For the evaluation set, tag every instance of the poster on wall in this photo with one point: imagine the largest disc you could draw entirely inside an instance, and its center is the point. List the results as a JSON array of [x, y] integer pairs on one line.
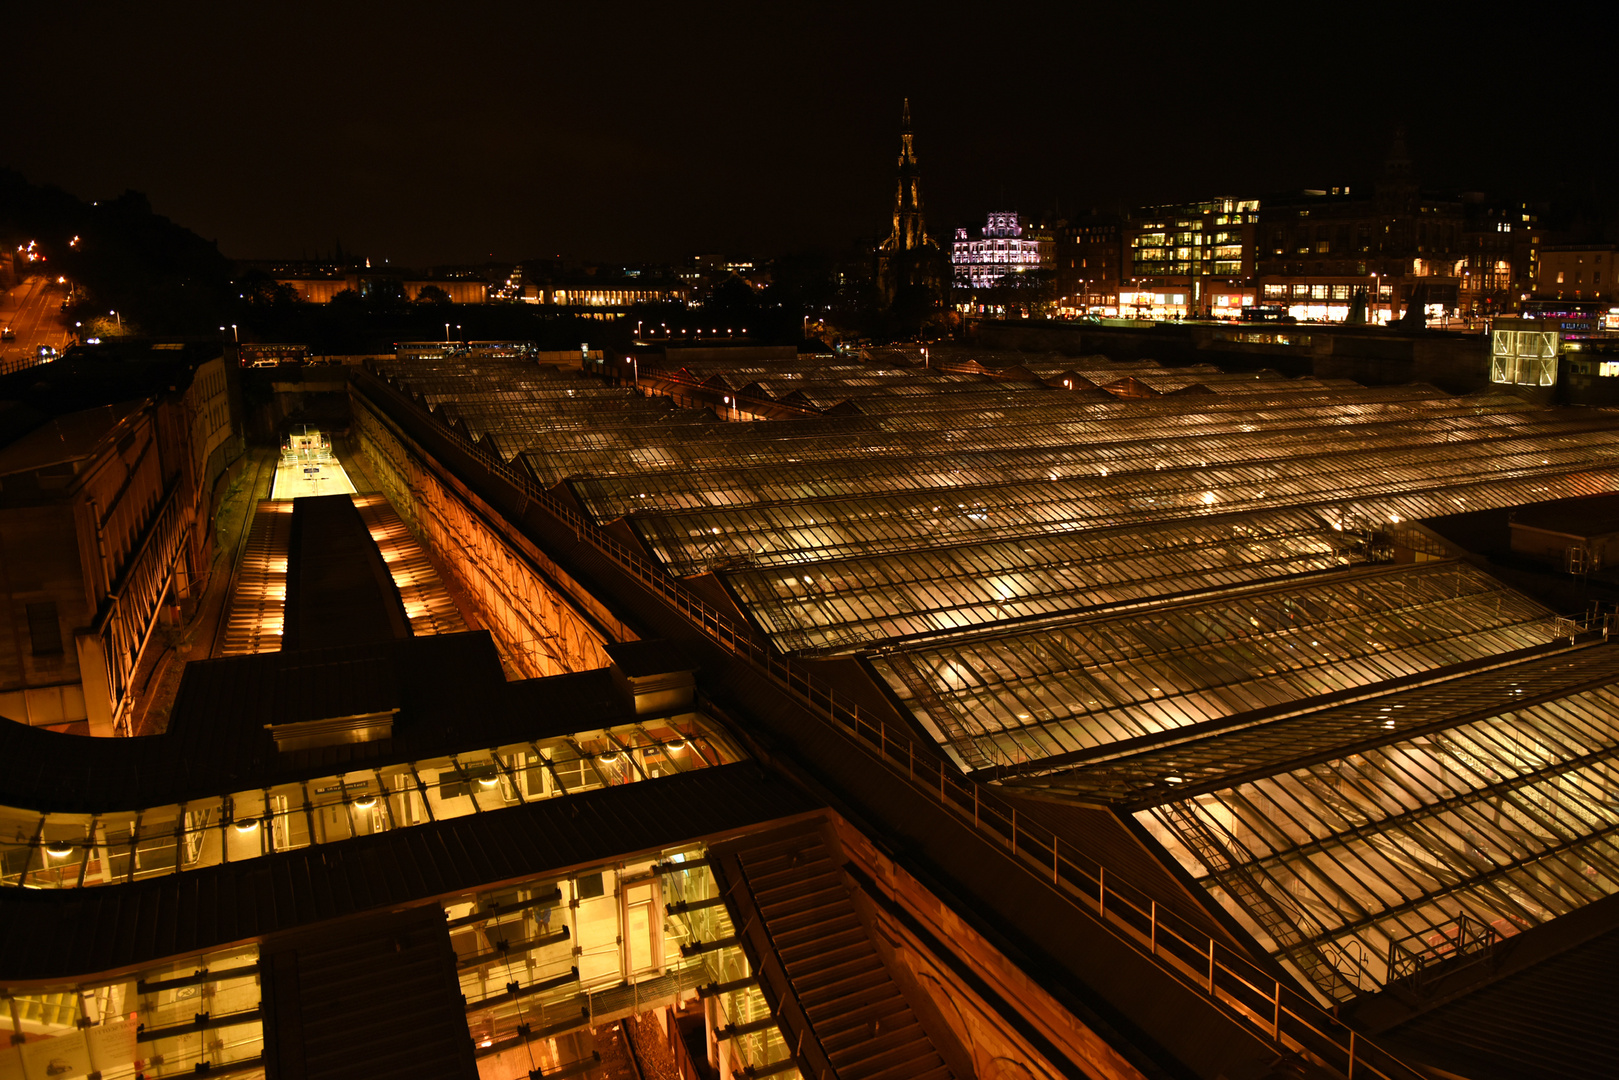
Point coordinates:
[[61, 1058], [112, 1044]]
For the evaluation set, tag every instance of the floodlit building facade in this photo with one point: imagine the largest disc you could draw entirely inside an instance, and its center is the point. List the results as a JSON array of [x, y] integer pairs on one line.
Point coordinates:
[[1005, 245], [109, 472]]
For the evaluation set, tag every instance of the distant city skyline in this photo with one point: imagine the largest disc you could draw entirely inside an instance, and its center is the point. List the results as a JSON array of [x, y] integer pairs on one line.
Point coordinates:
[[428, 139]]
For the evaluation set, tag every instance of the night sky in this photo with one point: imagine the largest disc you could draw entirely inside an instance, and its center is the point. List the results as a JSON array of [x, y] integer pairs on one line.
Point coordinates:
[[453, 132]]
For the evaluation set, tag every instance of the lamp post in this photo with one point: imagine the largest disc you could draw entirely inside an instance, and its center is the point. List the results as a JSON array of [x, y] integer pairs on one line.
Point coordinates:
[[120, 319], [446, 332], [236, 335]]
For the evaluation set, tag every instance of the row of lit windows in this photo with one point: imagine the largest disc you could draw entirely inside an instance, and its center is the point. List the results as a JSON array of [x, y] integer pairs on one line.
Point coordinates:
[[1321, 292]]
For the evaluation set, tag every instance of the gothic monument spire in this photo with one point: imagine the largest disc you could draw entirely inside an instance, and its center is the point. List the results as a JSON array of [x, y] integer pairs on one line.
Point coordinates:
[[909, 233]]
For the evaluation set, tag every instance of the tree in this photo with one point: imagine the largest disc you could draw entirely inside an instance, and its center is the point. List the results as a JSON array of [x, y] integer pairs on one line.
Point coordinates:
[[432, 294], [1031, 291], [260, 290]]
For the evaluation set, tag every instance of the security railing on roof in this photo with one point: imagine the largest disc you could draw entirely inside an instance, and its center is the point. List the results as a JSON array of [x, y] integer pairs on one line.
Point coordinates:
[[1416, 958], [1242, 990]]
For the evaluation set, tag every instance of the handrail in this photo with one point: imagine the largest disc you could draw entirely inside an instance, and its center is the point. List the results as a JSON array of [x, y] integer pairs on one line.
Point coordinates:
[[1233, 983]]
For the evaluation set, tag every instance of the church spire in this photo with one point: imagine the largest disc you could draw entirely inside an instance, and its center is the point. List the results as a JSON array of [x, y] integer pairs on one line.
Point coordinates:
[[908, 233]]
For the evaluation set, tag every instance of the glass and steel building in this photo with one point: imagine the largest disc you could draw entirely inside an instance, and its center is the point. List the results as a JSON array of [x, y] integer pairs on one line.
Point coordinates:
[[1206, 600]]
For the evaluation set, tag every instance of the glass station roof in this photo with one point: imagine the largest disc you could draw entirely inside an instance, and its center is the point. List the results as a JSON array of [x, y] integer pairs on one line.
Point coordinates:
[[1184, 604], [1011, 699], [1355, 839]]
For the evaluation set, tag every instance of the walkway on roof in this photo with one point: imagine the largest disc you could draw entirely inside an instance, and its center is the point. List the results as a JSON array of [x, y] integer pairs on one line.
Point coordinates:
[[259, 597]]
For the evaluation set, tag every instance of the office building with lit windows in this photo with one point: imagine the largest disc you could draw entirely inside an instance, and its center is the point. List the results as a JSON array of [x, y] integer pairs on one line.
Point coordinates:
[[1189, 260], [1089, 259], [1391, 246]]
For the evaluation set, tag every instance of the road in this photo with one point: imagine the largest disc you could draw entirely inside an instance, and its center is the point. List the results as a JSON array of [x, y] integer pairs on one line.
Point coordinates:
[[33, 311]]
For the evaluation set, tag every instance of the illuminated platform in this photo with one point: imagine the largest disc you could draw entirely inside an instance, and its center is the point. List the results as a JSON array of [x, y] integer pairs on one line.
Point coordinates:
[[296, 477]]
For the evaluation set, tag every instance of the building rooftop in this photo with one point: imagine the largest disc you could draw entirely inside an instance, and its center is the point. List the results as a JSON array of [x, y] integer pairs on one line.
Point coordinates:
[[91, 377], [60, 933], [1084, 598], [61, 439]]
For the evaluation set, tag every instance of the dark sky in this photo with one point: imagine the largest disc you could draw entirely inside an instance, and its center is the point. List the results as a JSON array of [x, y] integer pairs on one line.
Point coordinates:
[[454, 131]]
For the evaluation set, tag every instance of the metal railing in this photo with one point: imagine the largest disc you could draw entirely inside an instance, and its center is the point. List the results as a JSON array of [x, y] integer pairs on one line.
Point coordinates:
[[1417, 958], [1241, 989]]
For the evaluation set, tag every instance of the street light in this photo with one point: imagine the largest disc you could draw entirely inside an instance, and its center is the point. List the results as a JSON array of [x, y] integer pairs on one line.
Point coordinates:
[[236, 335], [120, 319]]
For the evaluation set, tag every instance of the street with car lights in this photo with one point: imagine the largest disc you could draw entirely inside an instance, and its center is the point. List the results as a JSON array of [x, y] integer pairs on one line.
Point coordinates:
[[31, 314]]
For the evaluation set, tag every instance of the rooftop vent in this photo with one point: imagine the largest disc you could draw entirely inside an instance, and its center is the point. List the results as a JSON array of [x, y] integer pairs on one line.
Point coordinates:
[[656, 675], [333, 730]]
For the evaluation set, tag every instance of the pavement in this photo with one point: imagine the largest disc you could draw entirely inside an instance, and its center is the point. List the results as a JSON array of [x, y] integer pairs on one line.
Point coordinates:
[[33, 311]]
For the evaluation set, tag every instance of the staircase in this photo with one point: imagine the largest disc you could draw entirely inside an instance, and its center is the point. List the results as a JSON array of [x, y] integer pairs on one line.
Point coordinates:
[[256, 603], [58, 1010], [427, 602], [789, 895]]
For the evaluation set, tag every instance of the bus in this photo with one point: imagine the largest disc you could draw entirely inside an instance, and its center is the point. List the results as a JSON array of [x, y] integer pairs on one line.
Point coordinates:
[[272, 354], [1573, 319], [514, 350], [1266, 313], [432, 350]]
